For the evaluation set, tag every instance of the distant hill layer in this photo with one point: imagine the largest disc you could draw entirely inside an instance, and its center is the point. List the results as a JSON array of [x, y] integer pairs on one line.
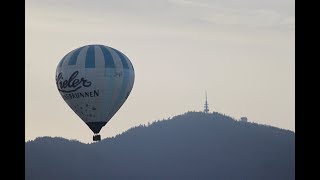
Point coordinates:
[[193, 145]]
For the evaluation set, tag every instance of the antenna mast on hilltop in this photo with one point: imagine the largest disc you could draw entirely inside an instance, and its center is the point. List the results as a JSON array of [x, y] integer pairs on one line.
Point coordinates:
[[206, 105]]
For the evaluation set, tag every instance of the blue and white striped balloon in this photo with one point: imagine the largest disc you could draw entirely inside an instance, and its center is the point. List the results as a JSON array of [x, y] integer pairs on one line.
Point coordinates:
[[95, 80]]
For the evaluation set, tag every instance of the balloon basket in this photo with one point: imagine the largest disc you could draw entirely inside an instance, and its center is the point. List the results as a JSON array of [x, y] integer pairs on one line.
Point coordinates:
[[96, 137]]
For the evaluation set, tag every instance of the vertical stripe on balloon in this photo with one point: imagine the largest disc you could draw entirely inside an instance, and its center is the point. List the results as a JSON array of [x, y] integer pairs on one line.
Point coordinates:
[[99, 60], [65, 58], [123, 59], [60, 63], [81, 60], [128, 61], [74, 57], [109, 63], [90, 59]]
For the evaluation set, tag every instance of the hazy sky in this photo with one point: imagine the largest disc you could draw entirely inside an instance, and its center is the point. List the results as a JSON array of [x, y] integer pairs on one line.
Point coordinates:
[[240, 52]]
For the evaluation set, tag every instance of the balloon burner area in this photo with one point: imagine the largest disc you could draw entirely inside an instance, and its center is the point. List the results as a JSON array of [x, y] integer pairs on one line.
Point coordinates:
[[96, 137]]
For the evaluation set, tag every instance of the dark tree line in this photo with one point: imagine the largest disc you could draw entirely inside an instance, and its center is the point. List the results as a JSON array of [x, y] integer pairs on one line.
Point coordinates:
[[193, 145]]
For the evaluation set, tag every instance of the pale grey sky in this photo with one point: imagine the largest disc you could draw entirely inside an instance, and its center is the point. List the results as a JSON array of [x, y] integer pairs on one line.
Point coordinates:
[[241, 52]]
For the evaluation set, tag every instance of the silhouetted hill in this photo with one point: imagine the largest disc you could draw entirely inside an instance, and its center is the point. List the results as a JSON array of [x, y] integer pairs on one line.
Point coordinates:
[[194, 145]]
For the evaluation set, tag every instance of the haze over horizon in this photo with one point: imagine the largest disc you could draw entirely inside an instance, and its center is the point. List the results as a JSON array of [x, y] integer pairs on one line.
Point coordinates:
[[241, 53]]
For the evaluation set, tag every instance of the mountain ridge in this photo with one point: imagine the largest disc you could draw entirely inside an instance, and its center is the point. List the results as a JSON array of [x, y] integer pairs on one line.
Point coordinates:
[[163, 120], [193, 145]]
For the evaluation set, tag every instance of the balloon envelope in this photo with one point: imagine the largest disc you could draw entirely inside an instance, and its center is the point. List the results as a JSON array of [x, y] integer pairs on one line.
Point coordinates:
[[95, 80]]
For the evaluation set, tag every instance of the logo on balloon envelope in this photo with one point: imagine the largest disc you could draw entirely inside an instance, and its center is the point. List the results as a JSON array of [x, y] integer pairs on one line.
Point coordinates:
[[72, 84]]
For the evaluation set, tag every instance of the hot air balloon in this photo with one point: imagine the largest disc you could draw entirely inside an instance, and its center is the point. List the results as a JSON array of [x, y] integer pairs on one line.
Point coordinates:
[[95, 81]]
